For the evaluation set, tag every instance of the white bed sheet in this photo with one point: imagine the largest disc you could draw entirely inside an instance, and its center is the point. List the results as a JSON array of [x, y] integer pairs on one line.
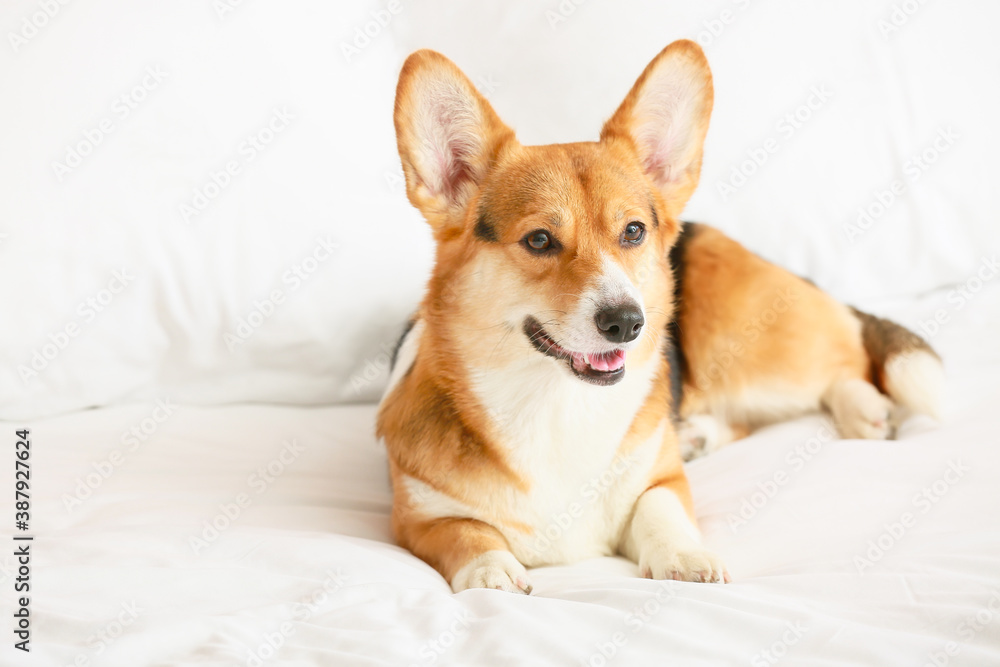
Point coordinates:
[[310, 566]]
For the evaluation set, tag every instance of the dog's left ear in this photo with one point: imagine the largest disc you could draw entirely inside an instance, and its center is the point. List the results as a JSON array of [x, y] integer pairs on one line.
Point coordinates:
[[448, 136], [665, 119]]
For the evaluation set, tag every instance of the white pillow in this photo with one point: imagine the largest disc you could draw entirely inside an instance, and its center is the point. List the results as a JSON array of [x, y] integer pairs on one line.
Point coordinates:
[[199, 252]]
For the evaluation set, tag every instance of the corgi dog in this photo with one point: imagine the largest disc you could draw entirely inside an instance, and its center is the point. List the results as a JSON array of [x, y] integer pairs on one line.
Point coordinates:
[[576, 341]]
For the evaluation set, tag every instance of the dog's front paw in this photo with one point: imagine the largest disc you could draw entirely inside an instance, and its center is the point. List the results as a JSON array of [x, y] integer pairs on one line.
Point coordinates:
[[493, 569], [689, 562]]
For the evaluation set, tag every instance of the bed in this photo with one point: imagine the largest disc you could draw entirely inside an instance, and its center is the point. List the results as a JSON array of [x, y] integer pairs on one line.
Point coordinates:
[[246, 530]]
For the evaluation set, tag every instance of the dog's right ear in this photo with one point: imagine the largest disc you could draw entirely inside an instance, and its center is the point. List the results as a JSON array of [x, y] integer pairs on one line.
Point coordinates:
[[448, 136], [665, 119]]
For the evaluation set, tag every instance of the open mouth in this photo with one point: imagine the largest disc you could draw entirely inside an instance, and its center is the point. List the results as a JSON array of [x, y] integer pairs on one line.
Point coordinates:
[[604, 368]]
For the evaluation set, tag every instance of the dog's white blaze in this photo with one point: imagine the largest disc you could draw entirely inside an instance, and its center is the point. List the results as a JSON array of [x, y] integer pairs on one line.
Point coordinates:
[[615, 286], [611, 287]]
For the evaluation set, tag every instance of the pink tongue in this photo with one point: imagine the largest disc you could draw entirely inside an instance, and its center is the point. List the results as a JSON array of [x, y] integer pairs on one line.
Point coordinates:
[[606, 361]]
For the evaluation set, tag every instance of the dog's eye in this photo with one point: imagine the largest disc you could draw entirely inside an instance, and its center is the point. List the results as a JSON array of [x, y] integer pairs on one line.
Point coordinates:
[[634, 232], [539, 241]]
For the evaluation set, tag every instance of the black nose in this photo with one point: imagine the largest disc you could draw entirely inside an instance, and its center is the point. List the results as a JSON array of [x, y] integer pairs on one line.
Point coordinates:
[[620, 324]]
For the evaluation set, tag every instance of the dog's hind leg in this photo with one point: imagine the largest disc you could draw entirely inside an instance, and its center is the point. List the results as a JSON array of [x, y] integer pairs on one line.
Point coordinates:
[[703, 434], [859, 409]]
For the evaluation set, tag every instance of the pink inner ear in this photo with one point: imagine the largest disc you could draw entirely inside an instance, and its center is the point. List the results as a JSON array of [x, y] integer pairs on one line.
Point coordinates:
[[656, 157], [665, 122], [655, 165], [453, 170], [442, 167], [453, 141]]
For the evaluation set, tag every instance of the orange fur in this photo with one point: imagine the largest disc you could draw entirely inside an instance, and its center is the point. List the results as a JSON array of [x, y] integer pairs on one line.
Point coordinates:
[[747, 325]]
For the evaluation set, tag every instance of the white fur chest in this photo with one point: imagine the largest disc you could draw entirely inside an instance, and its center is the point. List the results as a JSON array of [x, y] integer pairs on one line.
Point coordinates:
[[563, 436]]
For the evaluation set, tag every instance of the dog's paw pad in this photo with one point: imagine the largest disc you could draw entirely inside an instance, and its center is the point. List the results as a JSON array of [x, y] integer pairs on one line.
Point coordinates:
[[494, 569]]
